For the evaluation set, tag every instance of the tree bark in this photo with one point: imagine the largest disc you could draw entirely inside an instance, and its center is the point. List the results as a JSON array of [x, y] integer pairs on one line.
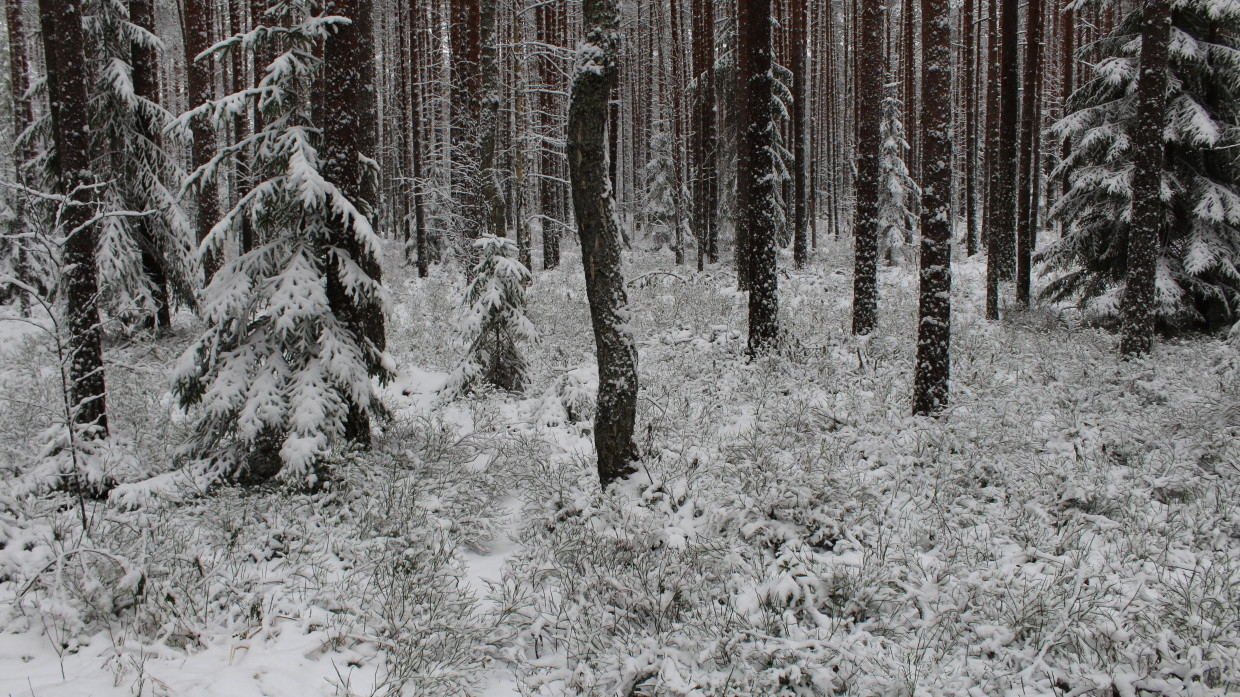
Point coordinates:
[[492, 217], [199, 81], [465, 42], [869, 82], [800, 247], [1001, 238], [64, 45], [704, 135], [932, 370], [600, 243], [1137, 305], [350, 138], [755, 186], [146, 85], [1027, 198]]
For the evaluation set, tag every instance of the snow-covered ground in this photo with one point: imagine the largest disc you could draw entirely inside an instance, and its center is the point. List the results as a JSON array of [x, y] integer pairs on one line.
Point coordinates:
[[1071, 527]]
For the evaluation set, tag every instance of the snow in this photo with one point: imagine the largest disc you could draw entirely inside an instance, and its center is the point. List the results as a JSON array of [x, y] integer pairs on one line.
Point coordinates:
[[791, 530]]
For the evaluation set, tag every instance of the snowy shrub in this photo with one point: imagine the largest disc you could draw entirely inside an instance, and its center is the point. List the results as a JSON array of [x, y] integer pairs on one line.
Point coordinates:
[[493, 327]]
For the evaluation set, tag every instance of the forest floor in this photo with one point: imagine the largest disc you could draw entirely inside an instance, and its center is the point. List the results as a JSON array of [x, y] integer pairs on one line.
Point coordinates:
[[1071, 526]]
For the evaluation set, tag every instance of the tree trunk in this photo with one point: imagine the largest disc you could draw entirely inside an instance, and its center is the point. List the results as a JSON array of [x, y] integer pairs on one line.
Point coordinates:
[[64, 44], [350, 140], [1030, 122], [600, 243], [1001, 238], [1148, 153], [489, 126], [704, 136], [933, 366], [196, 16], [869, 83], [756, 200], [146, 85], [800, 248], [466, 45]]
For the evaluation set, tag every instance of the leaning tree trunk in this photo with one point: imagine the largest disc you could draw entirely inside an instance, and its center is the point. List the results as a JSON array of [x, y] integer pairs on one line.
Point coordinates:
[[755, 187], [1148, 153], [64, 44], [869, 82], [933, 366], [196, 16], [350, 141], [594, 207]]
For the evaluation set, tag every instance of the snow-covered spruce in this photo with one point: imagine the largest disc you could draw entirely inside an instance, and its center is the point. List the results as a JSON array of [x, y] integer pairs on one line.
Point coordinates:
[[659, 201], [277, 368], [1197, 277], [147, 257], [492, 326], [897, 192]]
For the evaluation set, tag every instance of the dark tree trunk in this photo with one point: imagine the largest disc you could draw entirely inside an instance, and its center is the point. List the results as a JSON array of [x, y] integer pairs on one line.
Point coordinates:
[[1030, 121], [933, 367], [416, 135], [1148, 152], [465, 41], [755, 187], [800, 223], [350, 136], [869, 85], [704, 136], [972, 59], [1001, 237], [146, 85], [196, 15], [600, 245], [64, 44], [23, 116], [492, 217]]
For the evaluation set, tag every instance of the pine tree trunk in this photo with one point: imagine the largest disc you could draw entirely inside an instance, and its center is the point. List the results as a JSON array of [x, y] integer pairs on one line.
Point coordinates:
[[23, 116], [1029, 123], [196, 15], [417, 135], [349, 137], [756, 198], [972, 59], [869, 84], [704, 136], [600, 244], [1148, 153], [493, 215], [933, 366], [466, 45], [146, 85], [64, 44], [1001, 238], [800, 248]]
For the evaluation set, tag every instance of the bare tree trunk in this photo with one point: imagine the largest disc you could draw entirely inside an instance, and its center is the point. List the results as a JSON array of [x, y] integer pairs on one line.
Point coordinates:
[[869, 98], [489, 124], [1001, 238], [756, 172], [1027, 191], [800, 249], [704, 135], [64, 45], [199, 81], [1137, 305], [933, 366], [600, 244], [466, 45], [350, 139]]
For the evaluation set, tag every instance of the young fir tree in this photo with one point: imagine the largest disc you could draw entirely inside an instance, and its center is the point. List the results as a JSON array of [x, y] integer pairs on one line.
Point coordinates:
[[276, 367], [494, 326], [1197, 280], [660, 191], [147, 253], [898, 193]]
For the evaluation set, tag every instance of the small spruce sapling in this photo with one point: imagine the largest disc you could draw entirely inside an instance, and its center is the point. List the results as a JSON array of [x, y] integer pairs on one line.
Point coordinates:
[[898, 193], [493, 325]]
